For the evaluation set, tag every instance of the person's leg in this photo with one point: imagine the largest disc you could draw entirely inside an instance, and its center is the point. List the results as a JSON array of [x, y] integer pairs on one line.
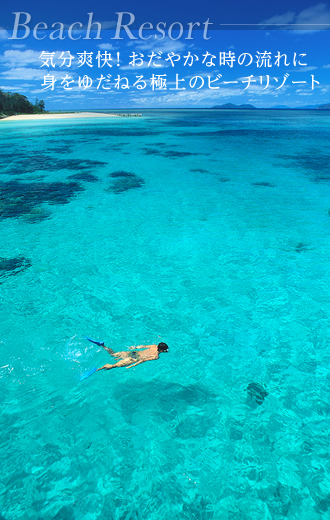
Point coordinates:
[[108, 349], [121, 363]]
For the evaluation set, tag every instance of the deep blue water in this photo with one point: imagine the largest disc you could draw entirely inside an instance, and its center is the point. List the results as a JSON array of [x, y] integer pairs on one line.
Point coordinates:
[[213, 237]]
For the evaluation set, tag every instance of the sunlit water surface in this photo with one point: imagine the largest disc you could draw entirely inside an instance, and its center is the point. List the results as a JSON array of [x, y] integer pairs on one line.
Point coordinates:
[[213, 237]]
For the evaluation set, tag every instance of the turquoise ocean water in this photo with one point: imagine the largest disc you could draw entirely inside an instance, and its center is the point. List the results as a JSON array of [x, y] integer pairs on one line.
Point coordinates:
[[209, 230]]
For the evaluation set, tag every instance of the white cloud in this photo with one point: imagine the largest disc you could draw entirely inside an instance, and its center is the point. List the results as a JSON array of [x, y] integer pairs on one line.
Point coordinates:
[[318, 14], [315, 18], [166, 45], [326, 66], [28, 73], [304, 69], [280, 19], [16, 88], [18, 58], [108, 25], [17, 45], [3, 34], [106, 46], [260, 90], [57, 97], [22, 73], [61, 96]]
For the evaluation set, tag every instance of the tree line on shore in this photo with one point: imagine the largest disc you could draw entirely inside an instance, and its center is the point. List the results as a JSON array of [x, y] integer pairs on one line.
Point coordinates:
[[13, 103]]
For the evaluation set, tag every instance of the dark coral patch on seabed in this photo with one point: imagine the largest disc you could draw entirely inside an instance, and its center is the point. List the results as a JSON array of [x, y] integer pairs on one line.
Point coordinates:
[[173, 154], [84, 176], [20, 199], [266, 184], [301, 247], [60, 149], [151, 151], [313, 162], [121, 173], [13, 266], [48, 163], [124, 181], [170, 154], [256, 393], [22, 163]]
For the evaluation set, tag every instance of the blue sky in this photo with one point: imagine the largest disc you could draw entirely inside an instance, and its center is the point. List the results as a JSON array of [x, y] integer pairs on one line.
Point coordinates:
[[300, 33]]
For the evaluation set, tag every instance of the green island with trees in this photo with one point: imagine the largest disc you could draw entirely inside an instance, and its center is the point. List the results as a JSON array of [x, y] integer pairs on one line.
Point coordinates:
[[12, 103]]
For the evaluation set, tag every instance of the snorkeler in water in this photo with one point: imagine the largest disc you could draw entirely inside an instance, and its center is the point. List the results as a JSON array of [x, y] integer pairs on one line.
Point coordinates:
[[130, 358]]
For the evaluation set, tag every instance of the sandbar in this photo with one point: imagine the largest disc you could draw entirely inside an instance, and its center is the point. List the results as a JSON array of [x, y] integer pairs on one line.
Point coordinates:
[[38, 117]]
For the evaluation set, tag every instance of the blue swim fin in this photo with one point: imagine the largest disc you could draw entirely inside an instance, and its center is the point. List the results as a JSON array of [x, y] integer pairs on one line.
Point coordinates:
[[99, 343], [85, 375]]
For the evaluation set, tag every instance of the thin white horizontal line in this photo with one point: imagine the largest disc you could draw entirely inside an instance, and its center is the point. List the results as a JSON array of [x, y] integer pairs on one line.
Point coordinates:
[[263, 24]]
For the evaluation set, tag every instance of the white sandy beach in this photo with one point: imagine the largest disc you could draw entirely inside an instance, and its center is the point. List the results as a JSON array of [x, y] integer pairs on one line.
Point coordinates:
[[73, 115]]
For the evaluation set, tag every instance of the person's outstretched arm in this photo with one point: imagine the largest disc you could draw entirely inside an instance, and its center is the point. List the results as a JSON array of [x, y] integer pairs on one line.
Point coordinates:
[[142, 346]]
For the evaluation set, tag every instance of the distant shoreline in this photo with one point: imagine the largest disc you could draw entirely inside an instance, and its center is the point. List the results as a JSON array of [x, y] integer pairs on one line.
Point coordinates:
[[40, 117]]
